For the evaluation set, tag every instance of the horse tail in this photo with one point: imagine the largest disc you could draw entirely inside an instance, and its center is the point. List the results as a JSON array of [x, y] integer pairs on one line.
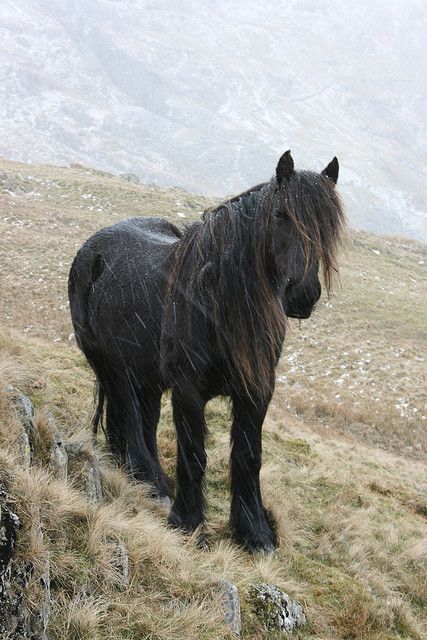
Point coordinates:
[[105, 396], [99, 411], [84, 272], [87, 268]]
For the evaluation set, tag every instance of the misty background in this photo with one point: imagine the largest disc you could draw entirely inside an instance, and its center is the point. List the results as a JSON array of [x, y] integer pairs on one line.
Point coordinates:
[[207, 94]]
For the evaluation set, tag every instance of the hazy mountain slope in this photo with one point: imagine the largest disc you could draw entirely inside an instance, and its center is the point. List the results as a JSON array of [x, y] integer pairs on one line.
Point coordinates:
[[206, 95]]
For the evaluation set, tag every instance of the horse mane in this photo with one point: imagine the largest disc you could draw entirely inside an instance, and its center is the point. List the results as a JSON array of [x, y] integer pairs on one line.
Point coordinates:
[[319, 218], [224, 273], [235, 198]]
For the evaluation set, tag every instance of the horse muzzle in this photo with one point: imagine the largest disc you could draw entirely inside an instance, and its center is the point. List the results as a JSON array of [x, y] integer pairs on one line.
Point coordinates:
[[299, 301], [300, 314]]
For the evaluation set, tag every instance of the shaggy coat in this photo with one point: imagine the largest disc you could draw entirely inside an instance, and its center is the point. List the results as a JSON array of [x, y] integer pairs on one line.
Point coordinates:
[[203, 312]]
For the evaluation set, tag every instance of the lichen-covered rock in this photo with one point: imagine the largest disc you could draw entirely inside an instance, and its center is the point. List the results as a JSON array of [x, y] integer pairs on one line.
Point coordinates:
[[58, 462], [23, 408], [21, 617], [275, 608], [121, 563], [25, 413], [94, 488], [9, 527], [25, 449], [74, 449], [58, 457], [25, 610], [85, 466], [231, 603]]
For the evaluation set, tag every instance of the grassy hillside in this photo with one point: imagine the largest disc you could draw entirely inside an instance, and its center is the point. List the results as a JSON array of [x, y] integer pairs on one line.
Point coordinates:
[[344, 444]]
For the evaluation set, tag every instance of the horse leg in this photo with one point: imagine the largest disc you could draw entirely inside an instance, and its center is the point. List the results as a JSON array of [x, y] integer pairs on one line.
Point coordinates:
[[125, 425], [149, 402], [188, 411], [248, 518], [107, 388], [116, 439]]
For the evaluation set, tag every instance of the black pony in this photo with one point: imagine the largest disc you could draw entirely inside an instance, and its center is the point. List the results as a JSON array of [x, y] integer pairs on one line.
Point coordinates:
[[202, 312]]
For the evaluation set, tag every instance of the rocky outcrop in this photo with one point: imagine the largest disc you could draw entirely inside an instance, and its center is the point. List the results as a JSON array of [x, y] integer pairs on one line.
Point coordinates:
[[24, 615], [21, 617], [121, 563], [25, 413], [9, 527], [58, 457], [85, 468], [231, 605], [275, 608]]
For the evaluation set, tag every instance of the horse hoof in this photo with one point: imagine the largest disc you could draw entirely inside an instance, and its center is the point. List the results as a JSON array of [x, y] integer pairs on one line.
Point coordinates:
[[187, 526], [262, 543], [263, 550]]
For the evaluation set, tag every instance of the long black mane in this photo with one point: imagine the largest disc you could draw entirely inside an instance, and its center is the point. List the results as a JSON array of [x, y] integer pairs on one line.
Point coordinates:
[[224, 271]]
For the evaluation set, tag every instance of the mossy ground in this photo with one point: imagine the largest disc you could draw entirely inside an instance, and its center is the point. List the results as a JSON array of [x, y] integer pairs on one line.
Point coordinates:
[[344, 441]]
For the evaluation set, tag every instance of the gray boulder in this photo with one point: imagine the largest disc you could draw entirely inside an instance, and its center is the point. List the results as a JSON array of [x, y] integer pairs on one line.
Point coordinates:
[[25, 413], [231, 604], [275, 608]]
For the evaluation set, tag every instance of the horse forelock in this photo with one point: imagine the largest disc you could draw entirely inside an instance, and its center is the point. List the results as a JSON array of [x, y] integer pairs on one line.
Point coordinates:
[[314, 206]]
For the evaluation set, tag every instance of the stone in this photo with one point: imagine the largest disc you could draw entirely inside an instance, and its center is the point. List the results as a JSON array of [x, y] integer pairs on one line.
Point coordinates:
[[25, 449], [23, 407], [58, 461], [87, 462], [74, 448], [121, 562], [231, 603], [94, 490], [25, 413], [276, 609], [21, 617], [9, 527]]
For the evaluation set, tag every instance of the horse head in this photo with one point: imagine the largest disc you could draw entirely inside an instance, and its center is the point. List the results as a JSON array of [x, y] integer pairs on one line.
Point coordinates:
[[305, 210]]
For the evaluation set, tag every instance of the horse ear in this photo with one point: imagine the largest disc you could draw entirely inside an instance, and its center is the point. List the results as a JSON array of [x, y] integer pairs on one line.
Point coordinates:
[[285, 167], [331, 170]]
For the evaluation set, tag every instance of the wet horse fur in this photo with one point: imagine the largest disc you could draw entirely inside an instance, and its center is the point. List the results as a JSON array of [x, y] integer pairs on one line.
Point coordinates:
[[202, 311]]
